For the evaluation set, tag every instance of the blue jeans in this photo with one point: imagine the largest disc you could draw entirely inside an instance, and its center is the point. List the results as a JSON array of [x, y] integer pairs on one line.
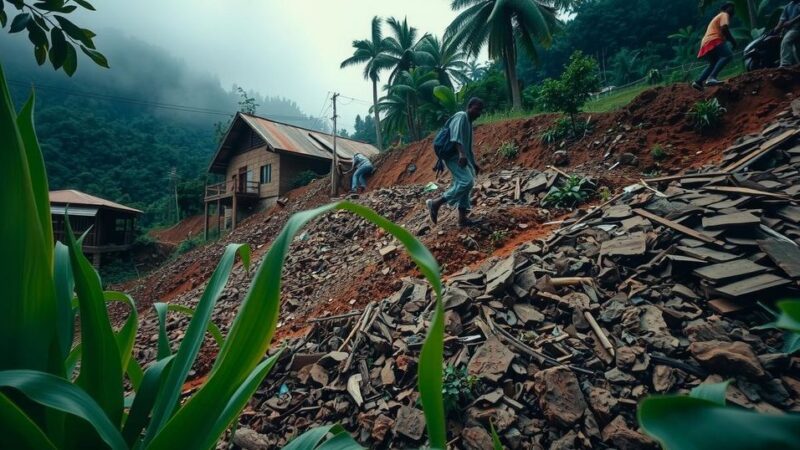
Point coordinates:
[[360, 176], [460, 189], [717, 59]]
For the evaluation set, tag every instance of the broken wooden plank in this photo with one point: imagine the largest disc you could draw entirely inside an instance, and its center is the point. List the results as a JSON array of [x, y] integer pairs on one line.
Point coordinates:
[[784, 254], [629, 245], [751, 286], [708, 254], [678, 227], [790, 213], [685, 176], [730, 270], [762, 150], [724, 306], [730, 220], [745, 191]]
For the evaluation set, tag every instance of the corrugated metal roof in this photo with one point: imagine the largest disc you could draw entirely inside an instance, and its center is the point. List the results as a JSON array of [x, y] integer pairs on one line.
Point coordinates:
[[73, 197], [289, 138], [74, 211]]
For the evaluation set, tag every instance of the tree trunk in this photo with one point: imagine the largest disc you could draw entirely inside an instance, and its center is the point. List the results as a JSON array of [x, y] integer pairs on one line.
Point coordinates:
[[378, 135], [511, 76]]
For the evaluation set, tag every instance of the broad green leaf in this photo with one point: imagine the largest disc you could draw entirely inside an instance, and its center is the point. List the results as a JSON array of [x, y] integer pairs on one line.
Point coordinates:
[[126, 336], [19, 23], [135, 374], [96, 56], [713, 392], [691, 423], [163, 341], [27, 267], [496, 444], [73, 31], [57, 393], [312, 438], [254, 326], [341, 441], [85, 4], [101, 366], [40, 53], [19, 431], [152, 381], [3, 18], [212, 329], [58, 50], [239, 399], [71, 61], [791, 342], [789, 319], [190, 346], [65, 288]]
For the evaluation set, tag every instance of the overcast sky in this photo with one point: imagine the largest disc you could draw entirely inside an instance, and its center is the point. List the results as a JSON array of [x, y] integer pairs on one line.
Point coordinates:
[[290, 48]]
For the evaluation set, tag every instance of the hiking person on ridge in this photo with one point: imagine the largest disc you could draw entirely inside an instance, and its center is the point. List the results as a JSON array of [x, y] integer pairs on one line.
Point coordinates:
[[714, 47], [456, 154], [790, 25], [362, 167]]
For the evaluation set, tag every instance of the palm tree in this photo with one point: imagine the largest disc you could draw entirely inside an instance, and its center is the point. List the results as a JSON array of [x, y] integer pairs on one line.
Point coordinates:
[[410, 90], [444, 58], [500, 24], [475, 71], [401, 50], [371, 53]]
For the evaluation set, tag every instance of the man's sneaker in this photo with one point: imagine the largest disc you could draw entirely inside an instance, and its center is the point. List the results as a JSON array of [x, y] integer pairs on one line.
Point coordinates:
[[697, 86], [713, 82]]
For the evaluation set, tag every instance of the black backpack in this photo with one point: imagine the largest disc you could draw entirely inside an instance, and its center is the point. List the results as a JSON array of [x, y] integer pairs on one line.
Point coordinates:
[[443, 147]]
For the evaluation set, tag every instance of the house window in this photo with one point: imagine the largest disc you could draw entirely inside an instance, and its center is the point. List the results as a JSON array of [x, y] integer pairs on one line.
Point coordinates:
[[266, 174]]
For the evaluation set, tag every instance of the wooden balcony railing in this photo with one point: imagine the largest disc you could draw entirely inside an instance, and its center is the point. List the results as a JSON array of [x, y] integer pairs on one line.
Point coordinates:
[[232, 187]]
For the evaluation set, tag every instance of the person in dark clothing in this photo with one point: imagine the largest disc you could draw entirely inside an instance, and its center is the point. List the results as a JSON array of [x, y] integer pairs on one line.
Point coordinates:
[[790, 26], [715, 48]]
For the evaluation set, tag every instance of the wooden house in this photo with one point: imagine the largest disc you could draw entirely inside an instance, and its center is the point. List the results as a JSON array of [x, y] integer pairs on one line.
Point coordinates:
[[259, 160], [111, 225]]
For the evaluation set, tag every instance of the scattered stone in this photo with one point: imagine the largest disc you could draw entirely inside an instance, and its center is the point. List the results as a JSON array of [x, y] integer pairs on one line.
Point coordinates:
[[618, 434], [560, 396], [727, 358], [410, 422], [491, 361]]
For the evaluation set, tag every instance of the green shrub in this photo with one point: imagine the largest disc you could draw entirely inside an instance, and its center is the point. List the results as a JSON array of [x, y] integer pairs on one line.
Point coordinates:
[[564, 129], [572, 192], [43, 404], [508, 150], [498, 237], [458, 388], [707, 114], [570, 92], [189, 244], [658, 153], [304, 178]]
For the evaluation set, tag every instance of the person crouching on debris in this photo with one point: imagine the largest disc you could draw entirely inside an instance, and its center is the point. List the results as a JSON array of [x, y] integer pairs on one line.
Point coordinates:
[[789, 24], [453, 146], [362, 167], [714, 48]]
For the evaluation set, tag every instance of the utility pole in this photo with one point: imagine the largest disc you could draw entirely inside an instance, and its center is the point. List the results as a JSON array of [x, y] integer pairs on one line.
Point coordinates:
[[173, 177], [335, 161]]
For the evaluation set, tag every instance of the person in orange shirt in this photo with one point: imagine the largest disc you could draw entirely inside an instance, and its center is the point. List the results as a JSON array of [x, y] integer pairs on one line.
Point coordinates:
[[714, 47]]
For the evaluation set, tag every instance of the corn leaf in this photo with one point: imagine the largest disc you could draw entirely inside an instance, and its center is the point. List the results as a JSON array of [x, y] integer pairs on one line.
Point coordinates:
[[163, 341], [190, 346], [689, 423], [712, 392], [126, 336], [145, 399], [239, 399], [58, 393], [342, 441], [212, 329], [312, 438], [789, 319], [254, 326], [65, 288], [28, 289], [19, 431], [496, 444], [135, 373], [101, 366]]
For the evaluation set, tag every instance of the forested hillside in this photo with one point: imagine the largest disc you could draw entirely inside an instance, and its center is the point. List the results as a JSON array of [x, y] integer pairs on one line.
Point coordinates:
[[119, 133]]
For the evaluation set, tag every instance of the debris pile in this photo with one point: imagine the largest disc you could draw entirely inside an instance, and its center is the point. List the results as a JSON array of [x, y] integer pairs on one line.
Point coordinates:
[[655, 291]]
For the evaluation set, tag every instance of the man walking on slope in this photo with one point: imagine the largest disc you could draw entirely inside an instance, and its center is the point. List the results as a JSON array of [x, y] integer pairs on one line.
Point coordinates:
[[790, 24], [460, 163], [714, 47]]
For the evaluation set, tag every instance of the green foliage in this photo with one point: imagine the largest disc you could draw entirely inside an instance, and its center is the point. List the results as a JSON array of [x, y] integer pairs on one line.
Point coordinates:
[[654, 76], [787, 320], [570, 92], [304, 178], [604, 193], [491, 88], [189, 244], [498, 237], [658, 153], [572, 192], [679, 422], [42, 405], [246, 104], [563, 128], [364, 129], [52, 34], [447, 102], [508, 150], [458, 388], [707, 114]]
